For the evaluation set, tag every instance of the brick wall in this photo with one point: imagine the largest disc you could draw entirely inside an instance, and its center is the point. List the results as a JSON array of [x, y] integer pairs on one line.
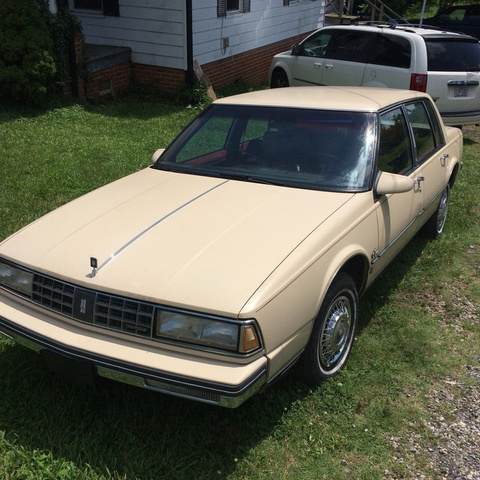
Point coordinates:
[[252, 67], [159, 78], [115, 79]]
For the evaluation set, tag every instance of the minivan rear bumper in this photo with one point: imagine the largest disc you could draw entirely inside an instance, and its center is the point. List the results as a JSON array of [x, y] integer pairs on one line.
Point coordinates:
[[461, 118]]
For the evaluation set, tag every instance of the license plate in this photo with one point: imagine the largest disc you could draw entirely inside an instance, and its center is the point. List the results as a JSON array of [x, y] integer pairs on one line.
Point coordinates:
[[460, 92]]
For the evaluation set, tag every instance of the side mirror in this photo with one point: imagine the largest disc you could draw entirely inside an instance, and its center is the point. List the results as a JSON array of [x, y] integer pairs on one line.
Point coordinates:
[[392, 183], [296, 50], [157, 154]]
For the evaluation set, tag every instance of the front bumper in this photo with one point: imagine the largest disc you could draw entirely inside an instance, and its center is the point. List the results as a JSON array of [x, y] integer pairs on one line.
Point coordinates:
[[137, 365]]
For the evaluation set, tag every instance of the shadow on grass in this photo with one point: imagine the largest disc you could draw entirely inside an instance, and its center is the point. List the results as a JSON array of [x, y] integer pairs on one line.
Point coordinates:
[[136, 433], [141, 434], [129, 106], [379, 293]]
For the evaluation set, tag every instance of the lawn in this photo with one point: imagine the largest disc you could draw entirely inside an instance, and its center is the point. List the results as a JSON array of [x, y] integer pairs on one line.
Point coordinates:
[[419, 327]]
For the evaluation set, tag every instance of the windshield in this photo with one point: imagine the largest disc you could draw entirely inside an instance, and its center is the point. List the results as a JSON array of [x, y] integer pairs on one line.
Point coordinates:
[[303, 148], [453, 55]]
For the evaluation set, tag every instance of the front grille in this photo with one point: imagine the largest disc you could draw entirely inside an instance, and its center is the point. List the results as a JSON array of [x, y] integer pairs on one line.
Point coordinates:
[[100, 309], [123, 314], [53, 294]]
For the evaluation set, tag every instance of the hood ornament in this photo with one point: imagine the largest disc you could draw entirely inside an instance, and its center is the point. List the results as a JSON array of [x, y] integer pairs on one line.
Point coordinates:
[[94, 265]]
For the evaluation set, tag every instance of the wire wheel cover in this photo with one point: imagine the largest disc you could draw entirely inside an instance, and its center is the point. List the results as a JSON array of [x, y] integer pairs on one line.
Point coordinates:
[[336, 332]]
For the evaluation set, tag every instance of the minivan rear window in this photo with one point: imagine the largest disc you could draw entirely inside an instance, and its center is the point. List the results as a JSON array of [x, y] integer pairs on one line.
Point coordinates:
[[452, 55]]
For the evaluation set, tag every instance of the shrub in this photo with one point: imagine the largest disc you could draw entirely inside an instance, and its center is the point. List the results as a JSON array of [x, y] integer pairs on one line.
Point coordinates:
[[27, 67]]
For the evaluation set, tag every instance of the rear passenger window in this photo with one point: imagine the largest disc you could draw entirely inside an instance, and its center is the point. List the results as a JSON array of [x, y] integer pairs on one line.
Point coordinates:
[[422, 130], [437, 130], [395, 150], [391, 51], [351, 46]]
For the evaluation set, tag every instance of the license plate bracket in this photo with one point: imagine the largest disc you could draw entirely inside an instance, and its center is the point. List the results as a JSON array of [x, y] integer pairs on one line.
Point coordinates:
[[460, 91], [76, 372]]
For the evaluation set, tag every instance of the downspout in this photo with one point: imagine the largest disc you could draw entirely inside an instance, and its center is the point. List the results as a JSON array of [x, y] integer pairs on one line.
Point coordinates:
[[189, 20], [62, 8]]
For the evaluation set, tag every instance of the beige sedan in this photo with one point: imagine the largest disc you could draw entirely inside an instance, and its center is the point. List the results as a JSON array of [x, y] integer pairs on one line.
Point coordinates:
[[242, 251]]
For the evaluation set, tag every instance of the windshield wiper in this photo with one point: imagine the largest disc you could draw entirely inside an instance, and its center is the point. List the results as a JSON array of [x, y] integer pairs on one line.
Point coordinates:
[[215, 173], [250, 178]]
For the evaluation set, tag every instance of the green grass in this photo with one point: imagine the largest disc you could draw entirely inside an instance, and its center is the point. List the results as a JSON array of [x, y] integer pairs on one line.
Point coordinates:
[[414, 332]]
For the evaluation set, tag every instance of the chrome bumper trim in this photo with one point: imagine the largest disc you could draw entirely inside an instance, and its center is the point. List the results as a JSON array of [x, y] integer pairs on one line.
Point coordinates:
[[207, 392]]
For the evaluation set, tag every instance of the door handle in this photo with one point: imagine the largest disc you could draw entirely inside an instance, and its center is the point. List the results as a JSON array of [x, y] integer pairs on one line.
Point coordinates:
[[317, 65], [418, 182], [329, 66]]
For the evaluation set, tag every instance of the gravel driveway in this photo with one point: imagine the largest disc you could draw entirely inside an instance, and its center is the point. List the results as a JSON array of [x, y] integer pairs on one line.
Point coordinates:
[[452, 444]]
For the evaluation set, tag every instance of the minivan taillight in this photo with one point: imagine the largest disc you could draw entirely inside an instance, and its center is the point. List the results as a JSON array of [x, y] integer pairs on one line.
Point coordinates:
[[418, 82]]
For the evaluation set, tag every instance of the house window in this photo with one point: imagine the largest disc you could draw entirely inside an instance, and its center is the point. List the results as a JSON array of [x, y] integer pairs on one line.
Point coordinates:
[[286, 3], [88, 5], [232, 6], [105, 7]]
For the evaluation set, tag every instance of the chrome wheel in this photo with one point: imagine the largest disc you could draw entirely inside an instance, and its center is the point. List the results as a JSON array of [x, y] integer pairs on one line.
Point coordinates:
[[436, 223], [336, 333], [333, 331], [442, 211]]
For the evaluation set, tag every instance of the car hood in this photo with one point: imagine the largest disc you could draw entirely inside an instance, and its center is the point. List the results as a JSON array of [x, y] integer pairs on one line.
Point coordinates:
[[183, 240]]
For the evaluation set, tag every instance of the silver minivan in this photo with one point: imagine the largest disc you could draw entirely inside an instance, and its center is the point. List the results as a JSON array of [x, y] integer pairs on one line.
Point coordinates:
[[446, 65]]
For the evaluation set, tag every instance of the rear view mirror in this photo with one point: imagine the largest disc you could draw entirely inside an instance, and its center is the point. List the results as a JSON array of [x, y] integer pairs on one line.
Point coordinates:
[[157, 154], [296, 50]]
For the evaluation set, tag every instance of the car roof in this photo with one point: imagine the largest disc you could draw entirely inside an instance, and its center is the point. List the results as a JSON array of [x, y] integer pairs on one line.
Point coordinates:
[[362, 99], [409, 28]]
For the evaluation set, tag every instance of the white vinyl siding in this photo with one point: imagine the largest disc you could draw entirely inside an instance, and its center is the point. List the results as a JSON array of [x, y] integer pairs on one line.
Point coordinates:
[[156, 31]]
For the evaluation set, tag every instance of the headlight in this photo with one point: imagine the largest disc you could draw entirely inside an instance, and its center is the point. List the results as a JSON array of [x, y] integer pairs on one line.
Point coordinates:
[[232, 336], [16, 279]]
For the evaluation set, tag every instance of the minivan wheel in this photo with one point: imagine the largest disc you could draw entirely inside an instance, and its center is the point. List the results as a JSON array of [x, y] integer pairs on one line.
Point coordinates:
[[332, 336], [279, 79]]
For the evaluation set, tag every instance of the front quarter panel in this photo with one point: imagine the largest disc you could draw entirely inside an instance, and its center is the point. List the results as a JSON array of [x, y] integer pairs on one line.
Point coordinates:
[[289, 300], [282, 61]]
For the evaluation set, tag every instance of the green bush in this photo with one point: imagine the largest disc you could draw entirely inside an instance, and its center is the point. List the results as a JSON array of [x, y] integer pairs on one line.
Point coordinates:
[[27, 67]]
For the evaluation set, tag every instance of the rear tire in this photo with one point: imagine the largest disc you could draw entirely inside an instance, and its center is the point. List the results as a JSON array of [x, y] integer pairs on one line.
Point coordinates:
[[333, 332], [436, 223], [279, 79]]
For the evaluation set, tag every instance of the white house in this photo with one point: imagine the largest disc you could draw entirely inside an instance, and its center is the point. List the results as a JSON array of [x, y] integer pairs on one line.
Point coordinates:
[[230, 39]]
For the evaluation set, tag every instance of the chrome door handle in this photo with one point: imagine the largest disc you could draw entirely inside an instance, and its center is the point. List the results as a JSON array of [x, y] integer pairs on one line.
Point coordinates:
[[328, 65], [418, 182]]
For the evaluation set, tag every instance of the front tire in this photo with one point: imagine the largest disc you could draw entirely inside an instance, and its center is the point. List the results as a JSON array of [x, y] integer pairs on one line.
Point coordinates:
[[333, 332], [279, 79]]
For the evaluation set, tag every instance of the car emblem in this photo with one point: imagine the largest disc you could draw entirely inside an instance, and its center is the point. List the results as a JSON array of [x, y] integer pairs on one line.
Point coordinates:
[[94, 265], [83, 305]]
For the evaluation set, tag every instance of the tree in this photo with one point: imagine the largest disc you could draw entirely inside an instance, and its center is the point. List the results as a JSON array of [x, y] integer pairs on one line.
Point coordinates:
[[27, 67]]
